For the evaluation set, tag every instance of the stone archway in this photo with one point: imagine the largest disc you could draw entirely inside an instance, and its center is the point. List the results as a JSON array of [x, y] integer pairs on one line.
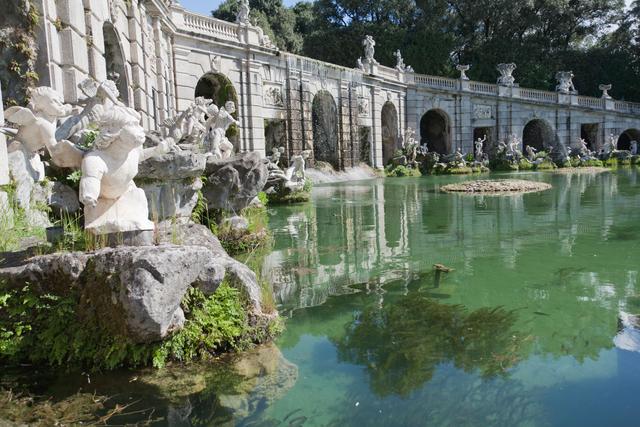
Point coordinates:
[[625, 138], [435, 131], [389, 118], [325, 129], [114, 60], [538, 134], [218, 87]]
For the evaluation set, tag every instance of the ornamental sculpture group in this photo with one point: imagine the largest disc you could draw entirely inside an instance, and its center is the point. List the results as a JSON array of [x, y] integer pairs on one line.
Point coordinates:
[[103, 139]]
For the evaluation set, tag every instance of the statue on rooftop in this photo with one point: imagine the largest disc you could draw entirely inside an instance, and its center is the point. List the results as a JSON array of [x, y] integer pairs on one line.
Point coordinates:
[[506, 74], [369, 50], [565, 82], [242, 17]]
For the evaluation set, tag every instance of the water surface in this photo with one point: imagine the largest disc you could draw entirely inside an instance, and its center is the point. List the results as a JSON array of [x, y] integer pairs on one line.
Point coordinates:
[[535, 326]]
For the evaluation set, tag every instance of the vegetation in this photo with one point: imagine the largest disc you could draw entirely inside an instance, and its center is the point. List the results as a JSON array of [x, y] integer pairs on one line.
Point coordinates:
[[47, 329], [401, 171], [285, 196], [541, 37]]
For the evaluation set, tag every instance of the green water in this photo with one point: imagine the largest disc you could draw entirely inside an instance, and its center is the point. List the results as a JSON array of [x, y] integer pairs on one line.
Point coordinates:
[[527, 330]]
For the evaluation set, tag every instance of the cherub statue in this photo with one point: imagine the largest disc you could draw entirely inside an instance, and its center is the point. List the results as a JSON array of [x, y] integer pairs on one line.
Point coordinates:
[[297, 171], [113, 203], [36, 129], [218, 129], [479, 145]]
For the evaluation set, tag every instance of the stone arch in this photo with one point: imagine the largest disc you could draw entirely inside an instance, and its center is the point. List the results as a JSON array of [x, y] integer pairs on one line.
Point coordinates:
[[389, 117], [435, 131], [220, 89], [625, 138], [539, 134], [324, 114], [115, 60]]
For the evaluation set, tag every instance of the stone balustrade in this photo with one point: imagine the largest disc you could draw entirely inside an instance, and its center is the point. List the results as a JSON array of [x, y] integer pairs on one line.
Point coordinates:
[[211, 27]]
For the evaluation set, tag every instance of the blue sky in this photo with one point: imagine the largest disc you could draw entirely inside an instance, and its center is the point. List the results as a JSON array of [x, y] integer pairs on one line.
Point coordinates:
[[206, 6]]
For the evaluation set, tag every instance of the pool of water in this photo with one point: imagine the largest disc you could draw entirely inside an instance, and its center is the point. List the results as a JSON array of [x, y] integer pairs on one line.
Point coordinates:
[[534, 326]]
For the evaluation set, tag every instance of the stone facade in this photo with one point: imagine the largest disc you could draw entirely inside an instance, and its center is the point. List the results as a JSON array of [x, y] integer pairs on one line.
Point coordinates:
[[162, 55]]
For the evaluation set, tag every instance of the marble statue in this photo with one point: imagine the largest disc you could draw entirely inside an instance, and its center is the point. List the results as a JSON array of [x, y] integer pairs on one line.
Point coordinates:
[[463, 71], [611, 146], [531, 153], [293, 179], [506, 74], [216, 142], [605, 90], [242, 17], [565, 82], [410, 145], [502, 147], [634, 148], [274, 159], [100, 97], [369, 50], [479, 145], [513, 148], [36, 129], [189, 126], [113, 203], [458, 158], [583, 148], [359, 64]]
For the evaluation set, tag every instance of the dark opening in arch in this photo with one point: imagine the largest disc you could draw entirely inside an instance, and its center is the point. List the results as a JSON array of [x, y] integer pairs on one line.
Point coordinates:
[[435, 131], [325, 129], [389, 118], [625, 138], [114, 61], [589, 132], [218, 87], [538, 134]]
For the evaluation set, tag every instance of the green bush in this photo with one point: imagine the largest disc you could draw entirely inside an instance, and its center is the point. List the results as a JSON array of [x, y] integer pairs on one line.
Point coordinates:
[[401, 171], [47, 329]]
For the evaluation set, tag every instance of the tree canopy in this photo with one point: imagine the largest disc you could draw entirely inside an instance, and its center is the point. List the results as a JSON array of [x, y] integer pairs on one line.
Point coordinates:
[[596, 39]]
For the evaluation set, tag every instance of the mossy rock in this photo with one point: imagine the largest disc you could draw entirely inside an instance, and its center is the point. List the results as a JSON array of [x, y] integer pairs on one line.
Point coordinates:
[[290, 198], [592, 163], [503, 165], [611, 162], [545, 165], [466, 170], [401, 172]]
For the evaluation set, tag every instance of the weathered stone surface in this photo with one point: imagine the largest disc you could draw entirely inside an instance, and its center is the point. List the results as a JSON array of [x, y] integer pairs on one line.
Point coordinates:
[[497, 186], [233, 184], [236, 223], [137, 291], [63, 199], [173, 165]]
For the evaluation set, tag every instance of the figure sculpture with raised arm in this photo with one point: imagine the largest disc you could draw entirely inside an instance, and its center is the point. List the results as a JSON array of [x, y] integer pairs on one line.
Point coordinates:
[[531, 153], [479, 145], [216, 132], [113, 203]]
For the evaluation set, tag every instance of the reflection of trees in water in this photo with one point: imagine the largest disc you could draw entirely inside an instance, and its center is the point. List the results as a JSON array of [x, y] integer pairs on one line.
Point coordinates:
[[402, 343]]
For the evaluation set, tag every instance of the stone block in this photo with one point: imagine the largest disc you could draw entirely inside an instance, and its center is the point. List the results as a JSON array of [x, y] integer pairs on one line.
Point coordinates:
[[74, 50], [71, 12]]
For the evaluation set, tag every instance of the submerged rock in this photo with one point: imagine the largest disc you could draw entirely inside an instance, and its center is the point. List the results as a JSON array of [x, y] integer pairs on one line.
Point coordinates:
[[497, 186]]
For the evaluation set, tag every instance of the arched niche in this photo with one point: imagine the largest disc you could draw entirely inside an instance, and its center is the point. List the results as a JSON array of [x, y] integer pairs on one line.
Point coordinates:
[[538, 134], [115, 61], [389, 117], [220, 90], [625, 138], [435, 131], [325, 129]]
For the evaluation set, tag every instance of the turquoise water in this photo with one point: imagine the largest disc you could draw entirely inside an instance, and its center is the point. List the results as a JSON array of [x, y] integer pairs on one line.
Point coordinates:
[[534, 326]]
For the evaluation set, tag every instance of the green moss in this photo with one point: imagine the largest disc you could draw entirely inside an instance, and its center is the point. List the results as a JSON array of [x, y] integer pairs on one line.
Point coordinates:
[[503, 165], [545, 165], [611, 162], [47, 329], [241, 241], [525, 165], [401, 171]]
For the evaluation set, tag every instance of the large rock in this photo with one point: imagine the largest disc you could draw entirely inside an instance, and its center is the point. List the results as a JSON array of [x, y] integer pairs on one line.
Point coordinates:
[[63, 199], [233, 184], [137, 291], [171, 183]]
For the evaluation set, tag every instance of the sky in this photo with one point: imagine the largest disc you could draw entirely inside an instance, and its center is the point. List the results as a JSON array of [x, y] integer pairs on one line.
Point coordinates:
[[206, 6]]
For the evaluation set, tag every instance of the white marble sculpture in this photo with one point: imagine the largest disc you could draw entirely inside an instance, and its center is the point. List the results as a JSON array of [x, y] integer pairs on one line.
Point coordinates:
[[216, 142], [514, 145], [479, 146], [605, 90], [400, 65], [100, 97], [611, 145], [293, 179], [506, 74], [410, 145], [463, 71], [634, 148], [369, 50], [36, 129], [531, 153], [113, 203], [565, 82], [189, 126], [242, 17]]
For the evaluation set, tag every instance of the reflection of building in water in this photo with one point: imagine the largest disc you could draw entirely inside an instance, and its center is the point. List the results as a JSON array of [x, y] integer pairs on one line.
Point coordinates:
[[373, 232]]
